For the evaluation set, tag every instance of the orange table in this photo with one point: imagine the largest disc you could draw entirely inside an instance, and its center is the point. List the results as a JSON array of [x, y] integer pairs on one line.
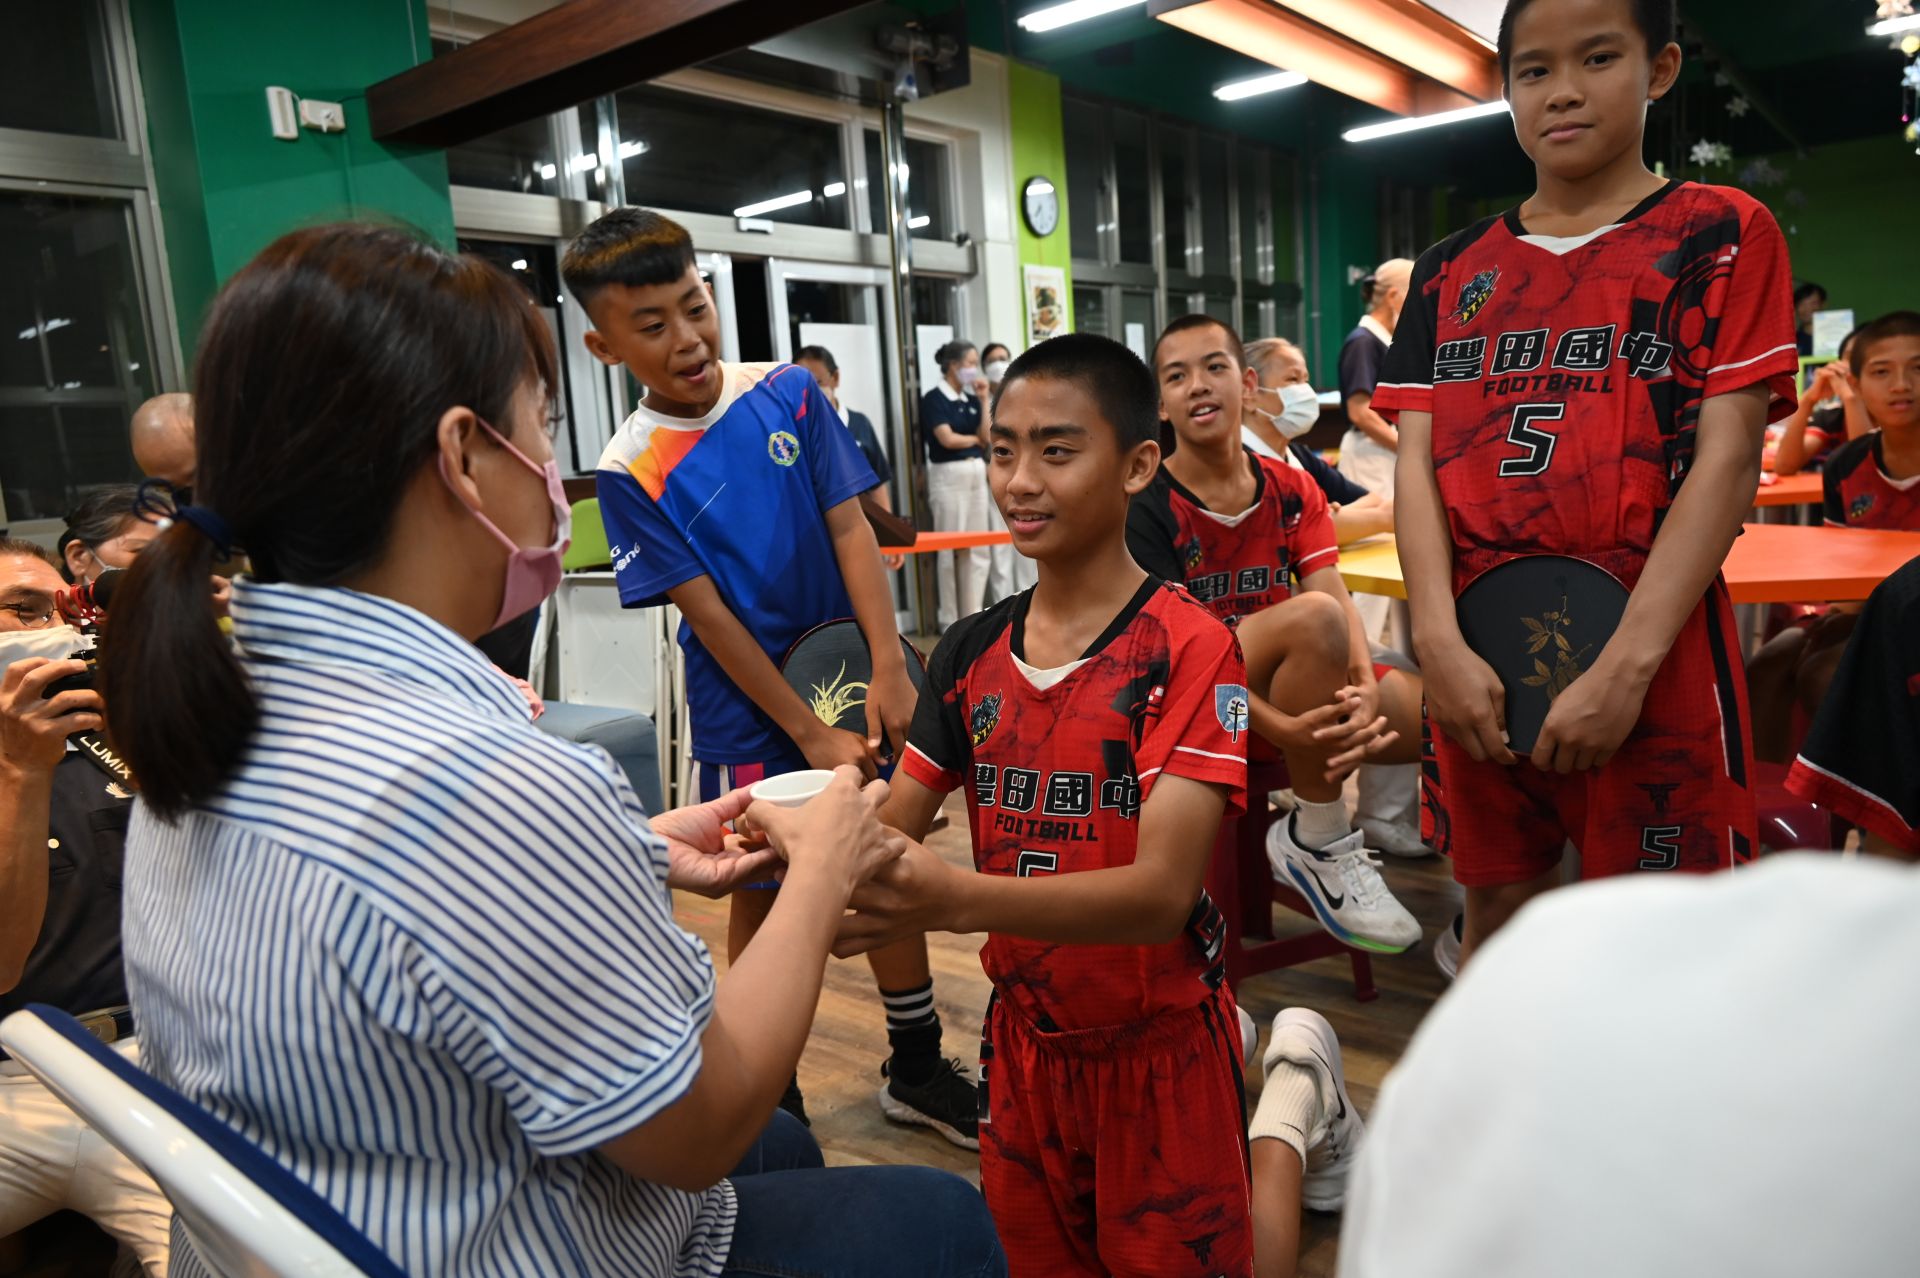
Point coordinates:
[[1769, 563], [931, 542], [1803, 489]]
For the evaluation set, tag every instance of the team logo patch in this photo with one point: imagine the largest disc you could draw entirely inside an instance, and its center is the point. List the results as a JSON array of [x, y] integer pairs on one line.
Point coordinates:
[[1860, 506], [1193, 554], [783, 448], [985, 718], [1230, 707], [1475, 295]]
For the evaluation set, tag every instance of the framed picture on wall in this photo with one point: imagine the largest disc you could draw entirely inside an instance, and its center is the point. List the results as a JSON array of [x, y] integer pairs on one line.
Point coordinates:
[[1046, 303]]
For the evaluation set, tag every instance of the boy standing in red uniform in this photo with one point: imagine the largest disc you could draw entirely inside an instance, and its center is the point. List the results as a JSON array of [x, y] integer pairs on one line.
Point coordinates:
[[1559, 371], [1099, 724]]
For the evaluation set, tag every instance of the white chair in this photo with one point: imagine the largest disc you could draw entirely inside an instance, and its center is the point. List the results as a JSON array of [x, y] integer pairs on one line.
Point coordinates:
[[248, 1216]]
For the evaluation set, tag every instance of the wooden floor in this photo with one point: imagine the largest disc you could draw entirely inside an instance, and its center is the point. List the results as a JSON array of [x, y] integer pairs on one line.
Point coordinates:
[[840, 1072]]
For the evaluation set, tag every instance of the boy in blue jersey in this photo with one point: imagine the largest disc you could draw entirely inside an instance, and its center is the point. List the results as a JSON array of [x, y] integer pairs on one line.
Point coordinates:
[[732, 492]]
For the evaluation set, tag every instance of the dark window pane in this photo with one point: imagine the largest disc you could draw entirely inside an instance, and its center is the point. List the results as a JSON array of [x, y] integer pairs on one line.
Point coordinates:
[[55, 75], [1176, 191], [520, 157], [1215, 243], [1090, 311], [933, 300], [704, 155], [928, 215], [1087, 201], [74, 355], [1256, 222], [1133, 181]]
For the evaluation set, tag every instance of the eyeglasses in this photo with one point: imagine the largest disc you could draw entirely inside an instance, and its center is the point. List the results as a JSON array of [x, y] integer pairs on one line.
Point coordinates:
[[32, 616]]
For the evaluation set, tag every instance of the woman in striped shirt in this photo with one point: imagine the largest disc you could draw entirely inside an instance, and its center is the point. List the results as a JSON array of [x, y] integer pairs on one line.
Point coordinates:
[[419, 952]]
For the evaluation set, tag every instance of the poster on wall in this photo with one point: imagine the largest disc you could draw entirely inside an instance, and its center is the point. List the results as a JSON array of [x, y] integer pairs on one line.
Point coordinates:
[[1046, 303]]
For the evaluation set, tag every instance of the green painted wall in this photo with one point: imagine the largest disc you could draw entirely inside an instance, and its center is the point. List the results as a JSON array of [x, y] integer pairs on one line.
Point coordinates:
[[1039, 148], [226, 186], [1852, 228]]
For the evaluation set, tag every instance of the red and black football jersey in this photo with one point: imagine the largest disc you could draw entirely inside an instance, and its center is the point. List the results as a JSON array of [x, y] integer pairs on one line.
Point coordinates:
[[1860, 493], [1565, 375], [1861, 758], [1056, 779], [1235, 564]]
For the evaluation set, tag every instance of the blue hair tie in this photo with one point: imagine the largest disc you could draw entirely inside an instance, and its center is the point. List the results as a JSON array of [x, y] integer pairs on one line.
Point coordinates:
[[211, 526], [155, 501]]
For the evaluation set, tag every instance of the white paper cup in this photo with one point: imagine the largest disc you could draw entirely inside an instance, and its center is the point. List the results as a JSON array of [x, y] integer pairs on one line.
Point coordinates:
[[791, 789]]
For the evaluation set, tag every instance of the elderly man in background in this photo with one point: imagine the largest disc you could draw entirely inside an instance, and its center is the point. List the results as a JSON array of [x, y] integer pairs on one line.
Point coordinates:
[[163, 439]]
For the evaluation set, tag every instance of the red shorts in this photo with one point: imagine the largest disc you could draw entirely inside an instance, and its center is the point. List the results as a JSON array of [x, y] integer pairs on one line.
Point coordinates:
[[1677, 796], [1120, 1150]]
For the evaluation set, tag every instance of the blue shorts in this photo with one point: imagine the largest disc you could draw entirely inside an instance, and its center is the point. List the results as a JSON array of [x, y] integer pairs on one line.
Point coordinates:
[[716, 780]]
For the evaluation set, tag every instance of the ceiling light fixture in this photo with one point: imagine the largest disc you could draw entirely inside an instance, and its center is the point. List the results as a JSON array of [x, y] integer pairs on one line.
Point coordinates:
[[519, 263], [834, 189], [777, 202], [1367, 133], [1055, 16], [547, 172], [915, 223], [630, 149], [1894, 26], [1272, 82]]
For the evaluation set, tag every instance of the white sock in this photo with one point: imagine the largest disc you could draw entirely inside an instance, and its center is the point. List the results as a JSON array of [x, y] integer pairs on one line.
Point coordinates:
[[1316, 825], [1289, 1108]]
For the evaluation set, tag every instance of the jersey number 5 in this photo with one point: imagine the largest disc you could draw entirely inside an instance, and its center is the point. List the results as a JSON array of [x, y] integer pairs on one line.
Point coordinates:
[[1538, 443]]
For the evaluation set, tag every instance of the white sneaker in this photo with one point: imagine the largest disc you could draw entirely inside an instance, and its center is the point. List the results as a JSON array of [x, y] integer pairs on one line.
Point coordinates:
[[1446, 947], [1249, 1039], [1344, 887], [1394, 838], [1304, 1038]]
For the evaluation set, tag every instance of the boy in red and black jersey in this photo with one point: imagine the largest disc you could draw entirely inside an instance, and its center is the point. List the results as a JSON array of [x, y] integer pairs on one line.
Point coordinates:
[[1255, 540], [1874, 481], [1098, 723], [1558, 372]]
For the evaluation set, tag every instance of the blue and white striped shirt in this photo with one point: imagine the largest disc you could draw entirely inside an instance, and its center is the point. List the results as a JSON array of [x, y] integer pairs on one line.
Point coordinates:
[[424, 955]]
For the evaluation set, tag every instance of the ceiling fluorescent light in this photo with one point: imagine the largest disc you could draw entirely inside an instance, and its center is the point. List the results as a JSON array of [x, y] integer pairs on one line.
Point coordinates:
[[630, 149], [1368, 133], [1272, 82], [582, 162], [1894, 26], [915, 223], [547, 171], [1055, 16], [833, 189], [777, 202]]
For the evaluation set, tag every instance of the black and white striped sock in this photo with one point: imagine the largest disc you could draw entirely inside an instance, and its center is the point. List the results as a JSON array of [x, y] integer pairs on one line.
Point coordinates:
[[913, 1031]]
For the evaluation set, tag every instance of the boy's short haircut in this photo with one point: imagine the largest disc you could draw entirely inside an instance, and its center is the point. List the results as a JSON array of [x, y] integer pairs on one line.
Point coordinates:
[[819, 355], [1892, 324], [1197, 320], [630, 246], [1111, 375], [1653, 17]]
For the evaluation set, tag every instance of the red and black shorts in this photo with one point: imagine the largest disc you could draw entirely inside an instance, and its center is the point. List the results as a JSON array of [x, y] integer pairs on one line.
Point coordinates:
[[1120, 1150], [1677, 796]]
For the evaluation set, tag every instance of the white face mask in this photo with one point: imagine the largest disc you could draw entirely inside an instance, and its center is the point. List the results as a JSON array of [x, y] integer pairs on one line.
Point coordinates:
[[1299, 409], [56, 643], [996, 372]]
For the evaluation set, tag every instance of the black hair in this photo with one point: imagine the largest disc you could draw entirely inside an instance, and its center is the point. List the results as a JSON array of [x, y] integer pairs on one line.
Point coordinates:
[[819, 355], [1805, 289], [1195, 320], [630, 246], [325, 366], [17, 546], [1654, 18], [952, 353], [986, 352], [1892, 324], [102, 515], [1111, 375]]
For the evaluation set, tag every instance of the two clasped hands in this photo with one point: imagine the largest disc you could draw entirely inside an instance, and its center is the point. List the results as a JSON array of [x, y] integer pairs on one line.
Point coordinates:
[[835, 846]]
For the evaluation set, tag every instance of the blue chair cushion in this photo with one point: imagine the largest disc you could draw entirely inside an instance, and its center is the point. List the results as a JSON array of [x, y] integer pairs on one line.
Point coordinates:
[[274, 1180]]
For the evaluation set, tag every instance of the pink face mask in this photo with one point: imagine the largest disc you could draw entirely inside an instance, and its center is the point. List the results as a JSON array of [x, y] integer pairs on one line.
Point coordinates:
[[532, 574]]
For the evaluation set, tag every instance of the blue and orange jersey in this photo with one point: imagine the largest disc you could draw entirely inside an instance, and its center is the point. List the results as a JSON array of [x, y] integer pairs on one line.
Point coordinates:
[[740, 496]]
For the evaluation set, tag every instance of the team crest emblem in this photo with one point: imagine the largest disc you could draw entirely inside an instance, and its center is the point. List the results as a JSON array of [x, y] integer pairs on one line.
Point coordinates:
[[1475, 295], [1860, 506], [783, 448], [985, 718], [1193, 554], [1230, 707]]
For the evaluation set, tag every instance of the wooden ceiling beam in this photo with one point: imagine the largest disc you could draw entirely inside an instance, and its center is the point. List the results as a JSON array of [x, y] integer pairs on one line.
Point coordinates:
[[567, 55]]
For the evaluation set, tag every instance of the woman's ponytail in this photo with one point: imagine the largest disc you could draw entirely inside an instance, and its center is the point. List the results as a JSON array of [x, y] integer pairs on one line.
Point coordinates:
[[179, 709]]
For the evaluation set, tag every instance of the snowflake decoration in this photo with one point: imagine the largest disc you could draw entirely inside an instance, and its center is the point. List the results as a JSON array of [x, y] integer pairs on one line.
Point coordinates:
[[1738, 106], [1912, 77], [1721, 80], [1707, 153], [1762, 173]]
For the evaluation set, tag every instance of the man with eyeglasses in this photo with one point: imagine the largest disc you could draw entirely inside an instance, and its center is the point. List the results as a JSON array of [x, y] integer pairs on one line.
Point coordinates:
[[63, 826]]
